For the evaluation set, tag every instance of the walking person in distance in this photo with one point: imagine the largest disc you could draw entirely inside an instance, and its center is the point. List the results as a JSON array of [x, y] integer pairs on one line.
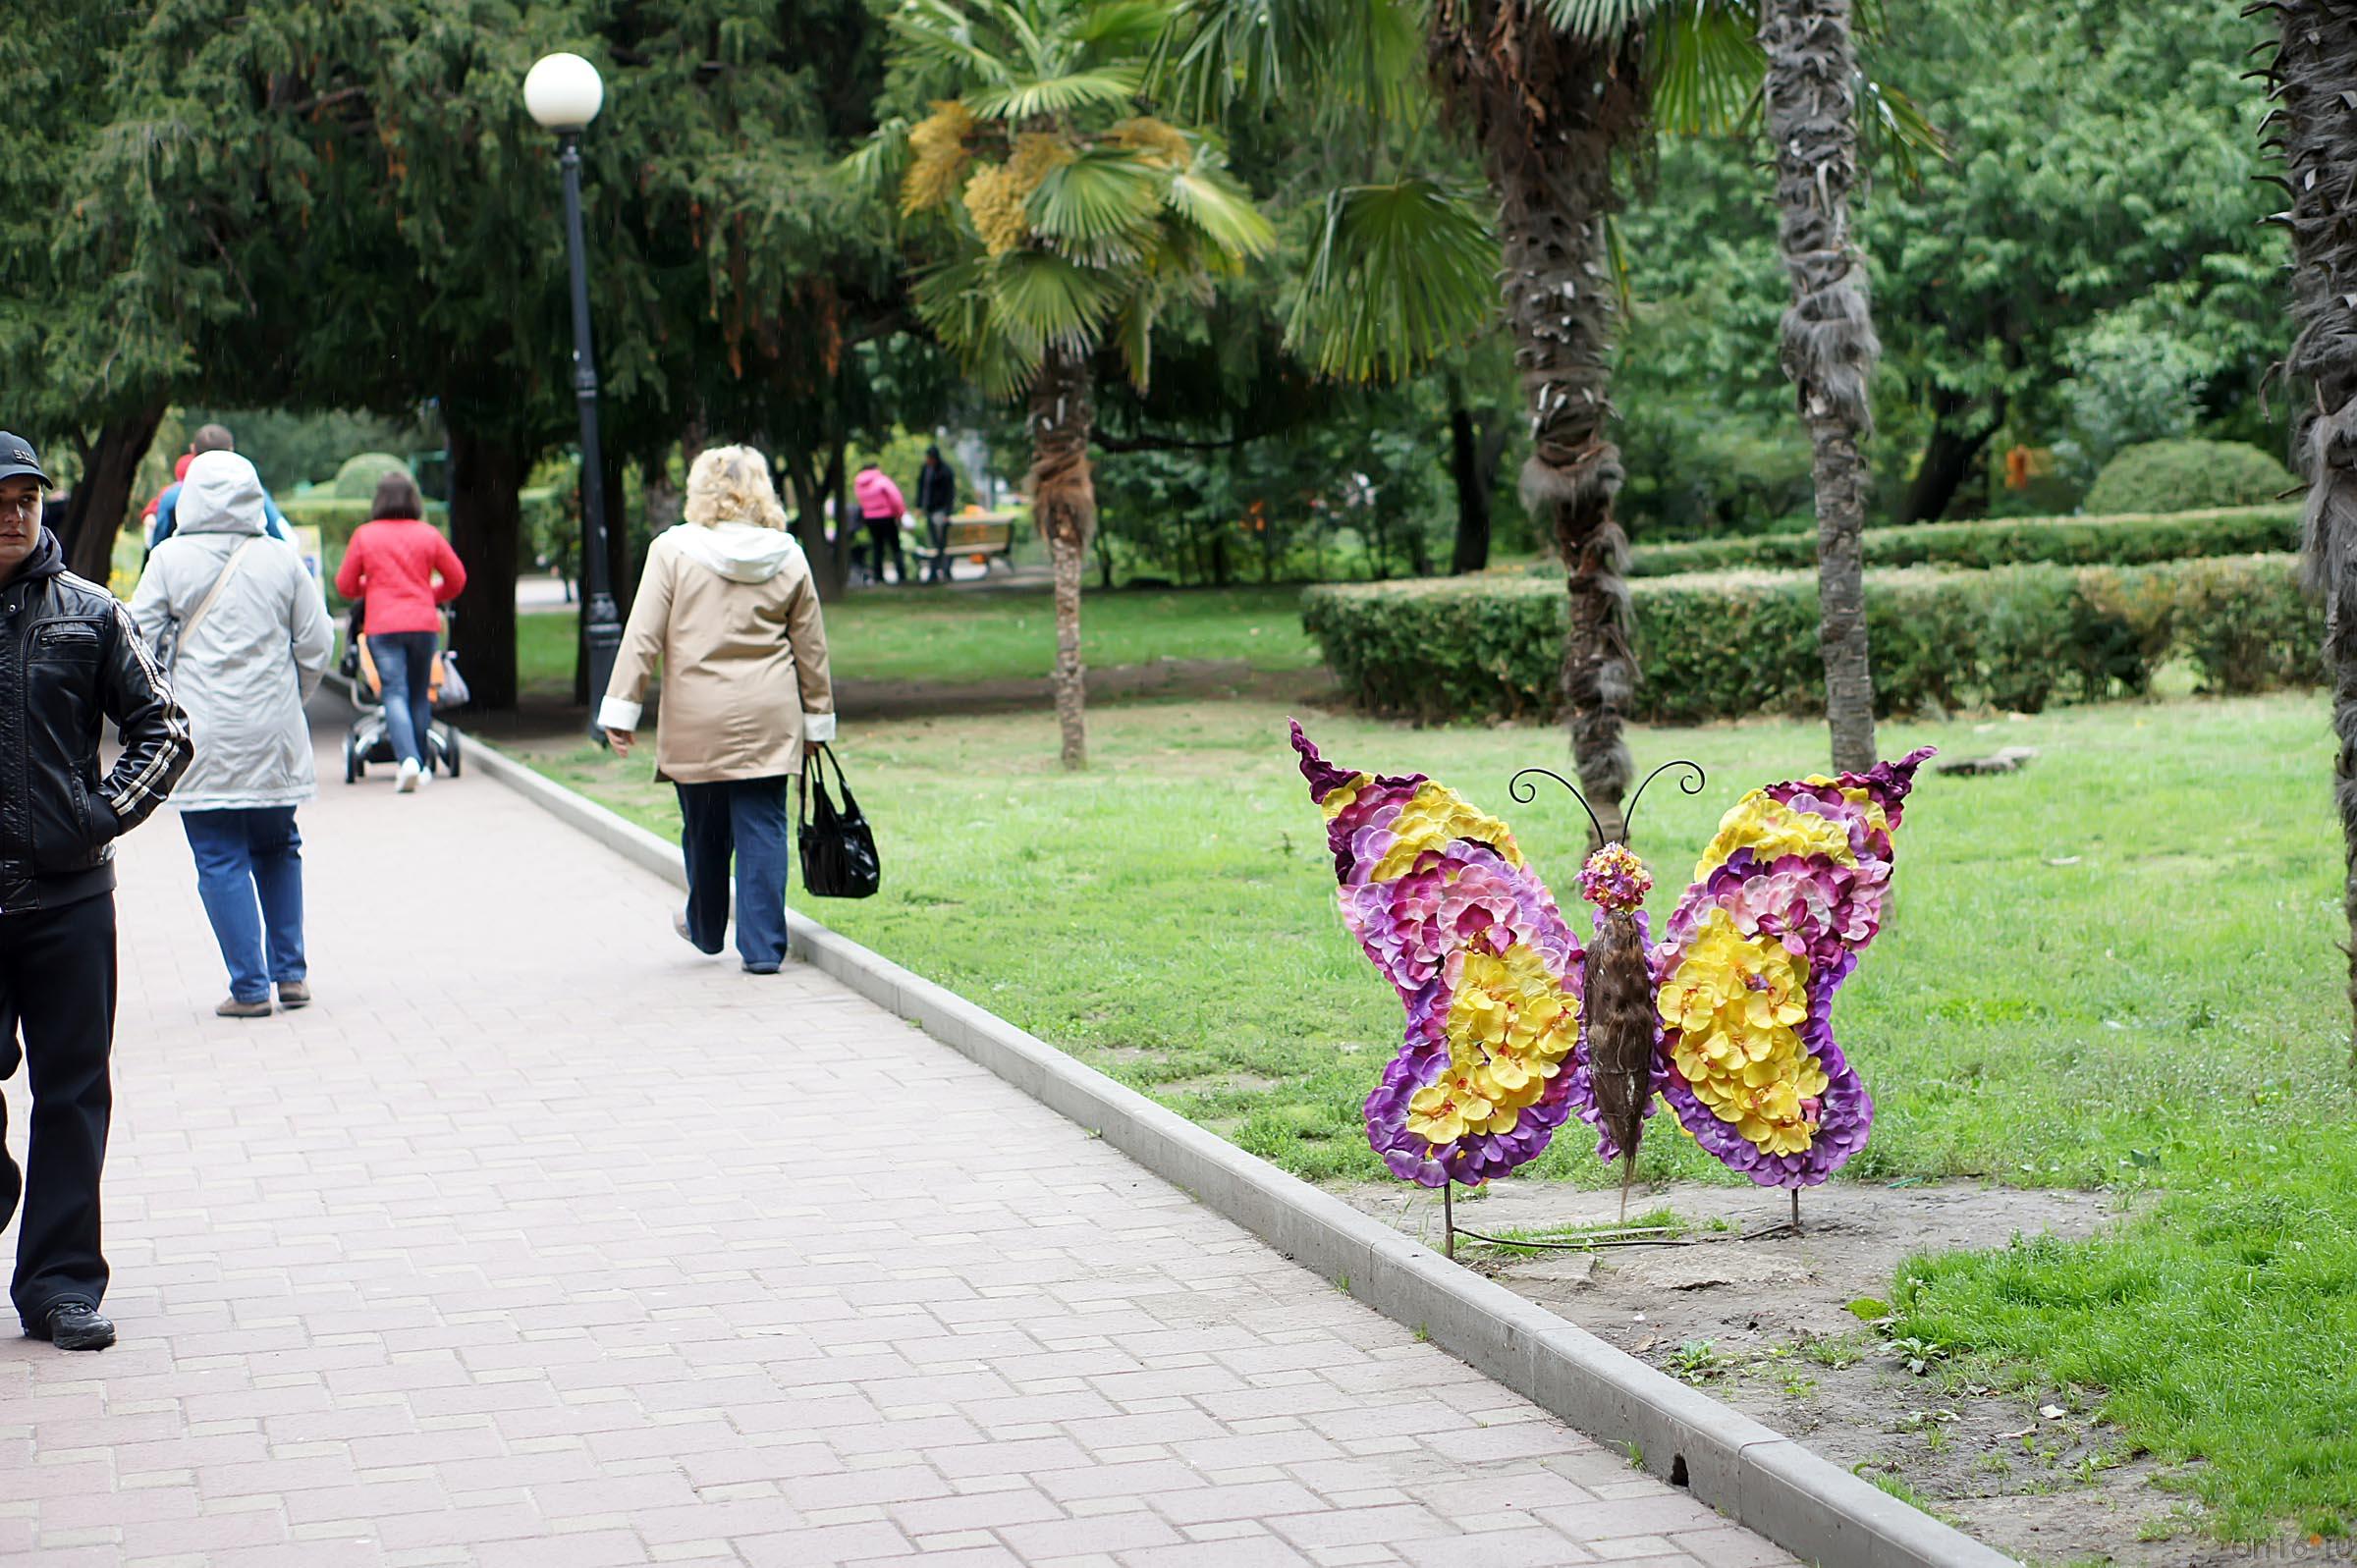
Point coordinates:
[[728, 609], [936, 498], [404, 572], [881, 507], [70, 661], [235, 615]]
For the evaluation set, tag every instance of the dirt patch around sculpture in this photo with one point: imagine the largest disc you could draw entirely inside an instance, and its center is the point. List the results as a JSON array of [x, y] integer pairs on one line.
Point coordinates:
[[1764, 1322]]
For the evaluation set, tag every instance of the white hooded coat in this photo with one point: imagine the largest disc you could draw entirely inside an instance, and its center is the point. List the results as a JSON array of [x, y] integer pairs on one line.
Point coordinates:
[[244, 671]]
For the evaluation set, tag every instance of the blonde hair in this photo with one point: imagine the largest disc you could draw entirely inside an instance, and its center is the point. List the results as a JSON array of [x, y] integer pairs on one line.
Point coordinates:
[[731, 484]]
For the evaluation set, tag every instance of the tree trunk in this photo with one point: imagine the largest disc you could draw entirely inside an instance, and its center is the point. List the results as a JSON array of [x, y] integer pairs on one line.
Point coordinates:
[[1063, 508], [1473, 466], [814, 483], [1830, 348], [2314, 77], [1549, 110], [1947, 458], [101, 499], [486, 475]]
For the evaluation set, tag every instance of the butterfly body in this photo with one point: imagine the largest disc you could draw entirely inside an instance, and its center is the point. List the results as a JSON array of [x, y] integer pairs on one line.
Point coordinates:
[[1515, 1025]]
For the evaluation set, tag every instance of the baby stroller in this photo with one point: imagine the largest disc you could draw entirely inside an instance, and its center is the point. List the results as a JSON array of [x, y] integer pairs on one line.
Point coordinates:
[[370, 738]]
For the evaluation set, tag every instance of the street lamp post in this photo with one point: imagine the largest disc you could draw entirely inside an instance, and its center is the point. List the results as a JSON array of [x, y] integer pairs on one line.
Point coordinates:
[[563, 93]]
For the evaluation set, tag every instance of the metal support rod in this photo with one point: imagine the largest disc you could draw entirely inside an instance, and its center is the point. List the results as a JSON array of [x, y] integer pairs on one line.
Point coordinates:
[[1795, 1210], [602, 622], [1448, 1220]]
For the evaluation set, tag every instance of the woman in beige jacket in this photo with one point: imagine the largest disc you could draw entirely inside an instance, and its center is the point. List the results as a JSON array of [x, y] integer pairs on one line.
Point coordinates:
[[727, 608]]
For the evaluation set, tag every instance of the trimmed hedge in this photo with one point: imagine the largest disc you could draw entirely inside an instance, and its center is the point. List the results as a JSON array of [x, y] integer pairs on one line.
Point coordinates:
[[2127, 539], [1726, 645], [2159, 475]]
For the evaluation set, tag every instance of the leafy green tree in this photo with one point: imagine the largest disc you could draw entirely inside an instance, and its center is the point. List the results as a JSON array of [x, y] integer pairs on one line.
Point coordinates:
[[1075, 223]]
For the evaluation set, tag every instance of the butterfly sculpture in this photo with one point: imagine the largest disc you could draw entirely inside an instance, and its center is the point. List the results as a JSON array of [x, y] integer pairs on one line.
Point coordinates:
[[1512, 1026]]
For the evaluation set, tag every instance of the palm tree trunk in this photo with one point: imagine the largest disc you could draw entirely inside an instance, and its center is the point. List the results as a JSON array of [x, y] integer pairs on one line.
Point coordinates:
[[1548, 111], [1830, 348], [1063, 508], [2314, 77]]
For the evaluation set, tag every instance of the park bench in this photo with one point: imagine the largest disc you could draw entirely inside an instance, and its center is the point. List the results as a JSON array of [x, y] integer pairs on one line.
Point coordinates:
[[985, 538]]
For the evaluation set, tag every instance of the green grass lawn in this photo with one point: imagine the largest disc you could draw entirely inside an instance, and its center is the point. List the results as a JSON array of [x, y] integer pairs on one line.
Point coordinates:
[[2117, 969], [956, 636]]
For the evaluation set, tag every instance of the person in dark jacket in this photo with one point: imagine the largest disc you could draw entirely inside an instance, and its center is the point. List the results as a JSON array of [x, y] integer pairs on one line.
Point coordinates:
[[936, 498], [70, 659]]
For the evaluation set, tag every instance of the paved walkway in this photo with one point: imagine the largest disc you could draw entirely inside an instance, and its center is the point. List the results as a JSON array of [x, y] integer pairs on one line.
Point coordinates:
[[541, 1240]]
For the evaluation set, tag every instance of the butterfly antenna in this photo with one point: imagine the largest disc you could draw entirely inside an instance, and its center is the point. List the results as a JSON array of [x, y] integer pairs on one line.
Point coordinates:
[[1524, 792], [1690, 785]]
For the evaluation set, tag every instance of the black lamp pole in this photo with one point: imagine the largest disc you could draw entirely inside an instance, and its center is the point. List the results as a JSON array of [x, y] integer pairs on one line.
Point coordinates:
[[604, 625]]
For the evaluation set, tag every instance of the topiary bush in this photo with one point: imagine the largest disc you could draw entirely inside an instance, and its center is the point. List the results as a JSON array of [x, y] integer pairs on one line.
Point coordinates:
[[2187, 476], [1726, 645], [357, 479], [2129, 540]]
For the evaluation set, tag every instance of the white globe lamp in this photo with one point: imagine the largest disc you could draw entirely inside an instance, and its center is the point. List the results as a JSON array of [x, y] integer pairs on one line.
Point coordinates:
[[564, 92]]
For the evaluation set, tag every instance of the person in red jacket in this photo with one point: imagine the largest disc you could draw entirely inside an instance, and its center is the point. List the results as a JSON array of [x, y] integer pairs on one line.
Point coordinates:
[[406, 572]]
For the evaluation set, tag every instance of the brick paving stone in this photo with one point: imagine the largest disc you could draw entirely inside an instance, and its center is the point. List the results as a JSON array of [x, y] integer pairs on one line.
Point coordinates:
[[533, 1245]]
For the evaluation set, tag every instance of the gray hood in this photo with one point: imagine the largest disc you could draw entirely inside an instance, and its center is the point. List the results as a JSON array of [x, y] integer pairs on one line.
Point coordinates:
[[221, 494], [742, 552]]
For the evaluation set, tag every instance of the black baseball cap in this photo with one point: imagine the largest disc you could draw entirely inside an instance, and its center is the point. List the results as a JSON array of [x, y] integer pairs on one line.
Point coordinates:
[[17, 457]]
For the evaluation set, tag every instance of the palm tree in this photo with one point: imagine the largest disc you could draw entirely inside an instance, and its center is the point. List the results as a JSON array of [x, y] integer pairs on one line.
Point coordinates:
[[1830, 346], [1074, 220], [2313, 80], [1553, 92]]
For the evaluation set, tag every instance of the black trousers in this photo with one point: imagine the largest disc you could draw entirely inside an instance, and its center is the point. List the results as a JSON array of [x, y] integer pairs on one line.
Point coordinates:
[[883, 534], [57, 994]]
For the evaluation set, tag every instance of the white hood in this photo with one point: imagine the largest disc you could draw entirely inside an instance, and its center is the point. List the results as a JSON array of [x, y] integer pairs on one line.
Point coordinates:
[[221, 494], [742, 552]]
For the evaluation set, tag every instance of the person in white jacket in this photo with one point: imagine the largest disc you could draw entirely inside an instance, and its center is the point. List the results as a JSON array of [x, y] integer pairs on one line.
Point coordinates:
[[245, 635]]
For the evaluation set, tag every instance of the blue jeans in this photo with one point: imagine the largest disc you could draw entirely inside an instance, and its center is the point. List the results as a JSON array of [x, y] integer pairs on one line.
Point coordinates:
[[745, 817], [242, 853], [404, 672]]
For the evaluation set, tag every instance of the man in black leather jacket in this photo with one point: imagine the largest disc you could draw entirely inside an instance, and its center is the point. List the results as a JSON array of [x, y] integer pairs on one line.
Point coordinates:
[[69, 660]]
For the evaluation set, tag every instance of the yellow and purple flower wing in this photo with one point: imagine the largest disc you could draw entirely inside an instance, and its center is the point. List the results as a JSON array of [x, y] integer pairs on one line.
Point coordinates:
[[1784, 898], [1439, 897]]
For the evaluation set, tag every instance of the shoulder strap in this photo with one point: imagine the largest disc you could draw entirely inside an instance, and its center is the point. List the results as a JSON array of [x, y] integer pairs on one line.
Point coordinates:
[[229, 570]]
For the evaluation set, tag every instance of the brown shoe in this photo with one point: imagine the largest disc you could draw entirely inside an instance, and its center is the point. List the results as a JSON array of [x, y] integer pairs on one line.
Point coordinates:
[[234, 1008], [294, 993]]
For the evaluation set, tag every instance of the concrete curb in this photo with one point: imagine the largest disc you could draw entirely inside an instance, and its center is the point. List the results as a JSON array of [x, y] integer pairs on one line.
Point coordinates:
[[1758, 1478]]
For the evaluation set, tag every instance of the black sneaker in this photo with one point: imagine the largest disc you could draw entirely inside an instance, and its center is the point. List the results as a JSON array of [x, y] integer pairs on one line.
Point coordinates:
[[74, 1325]]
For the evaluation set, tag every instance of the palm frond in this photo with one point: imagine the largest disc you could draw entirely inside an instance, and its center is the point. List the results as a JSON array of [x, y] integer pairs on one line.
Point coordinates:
[[873, 171], [1042, 298], [1401, 273], [1601, 20], [1134, 332], [1707, 66], [1208, 198], [1109, 86], [1893, 129], [954, 302], [944, 35], [1127, 27], [1102, 195], [1219, 53]]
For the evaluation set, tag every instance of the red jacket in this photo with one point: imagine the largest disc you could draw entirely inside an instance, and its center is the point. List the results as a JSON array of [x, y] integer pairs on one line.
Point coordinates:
[[393, 564]]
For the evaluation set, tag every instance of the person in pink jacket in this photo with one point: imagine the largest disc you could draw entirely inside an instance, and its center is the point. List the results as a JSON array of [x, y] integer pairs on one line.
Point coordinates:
[[881, 507]]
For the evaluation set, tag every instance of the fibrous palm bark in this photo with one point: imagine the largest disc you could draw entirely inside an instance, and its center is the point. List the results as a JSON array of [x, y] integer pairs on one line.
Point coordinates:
[[1549, 109], [1063, 508], [2315, 82], [1830, 348]]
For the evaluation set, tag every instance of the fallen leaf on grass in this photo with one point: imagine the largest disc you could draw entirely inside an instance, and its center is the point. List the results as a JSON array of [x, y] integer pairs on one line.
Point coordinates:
[[2010, 1436], [2052, 1412]]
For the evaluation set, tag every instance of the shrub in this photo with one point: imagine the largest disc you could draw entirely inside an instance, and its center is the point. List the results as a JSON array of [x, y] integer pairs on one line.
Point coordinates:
[[2187, 476], [1728, 644], [357, 479], [2127, 540]]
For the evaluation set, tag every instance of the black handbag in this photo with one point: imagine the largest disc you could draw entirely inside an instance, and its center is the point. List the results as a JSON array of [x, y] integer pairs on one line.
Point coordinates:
[[839, 853]]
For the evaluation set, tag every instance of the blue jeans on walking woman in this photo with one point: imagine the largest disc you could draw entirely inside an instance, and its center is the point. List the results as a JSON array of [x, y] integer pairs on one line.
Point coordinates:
[[244, 854], [745, 817], [404, 672]]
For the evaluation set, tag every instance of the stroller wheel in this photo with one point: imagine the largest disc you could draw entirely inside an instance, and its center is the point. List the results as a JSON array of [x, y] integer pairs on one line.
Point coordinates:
[[449, 751], [354, 767]]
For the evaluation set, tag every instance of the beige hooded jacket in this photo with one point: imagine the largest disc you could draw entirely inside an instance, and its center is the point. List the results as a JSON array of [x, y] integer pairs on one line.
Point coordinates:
[[731, 615]]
